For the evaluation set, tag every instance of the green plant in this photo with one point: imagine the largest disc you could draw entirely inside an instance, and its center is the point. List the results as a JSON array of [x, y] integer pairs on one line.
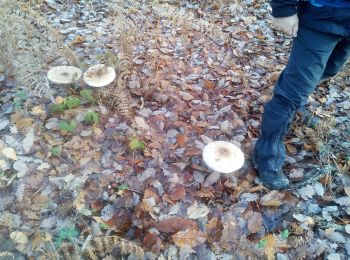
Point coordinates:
[[56, 150], [20, 96], [57, 108], [109, 58], [136, 144], [88, 95], [123, 187], [103, 226], [68, 233], [64, 126], [91, 117], [69, 103]]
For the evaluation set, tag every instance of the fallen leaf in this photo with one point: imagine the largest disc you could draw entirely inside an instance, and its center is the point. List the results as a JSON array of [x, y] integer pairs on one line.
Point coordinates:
[[9, 153], [291, 149], [306, 192], [79, 202], [208, 84], [230, 231], [343, 201], [28, 140], [152, 243], [174, 224], [186, 96], [302, 218], [178, 193], [78, 39], [214, 229], [189, 238], [37, 110], [150, 193], [19, 237], [24, 122], [97, 205], [270, 246], [272, 199], [141, 123], [196, 211], [319, 189], [296, 173], [211, 179], [254, 222], [3, 164], [181, 140], [347, 228]]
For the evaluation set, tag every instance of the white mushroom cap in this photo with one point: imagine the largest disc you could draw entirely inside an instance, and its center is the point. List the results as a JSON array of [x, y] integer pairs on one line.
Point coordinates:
[[223, 157], [99, 76], [64, 74]]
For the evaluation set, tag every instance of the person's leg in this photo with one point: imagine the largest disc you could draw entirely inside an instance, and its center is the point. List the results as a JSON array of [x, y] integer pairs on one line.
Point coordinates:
[[339, 56], [310, 53], [307, 62]]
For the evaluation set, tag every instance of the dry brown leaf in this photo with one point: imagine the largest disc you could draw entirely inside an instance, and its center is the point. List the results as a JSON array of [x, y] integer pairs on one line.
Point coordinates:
[[189, 238], [150, 193], [40, 202], [272, 199], [254, 222], [181, 140], [37, 111], [209, 84], [178, 193], [39, 238], [79, 202], [152, 243], [270, 246], [214, 229], [174, 224], [24, 122], [97, 205], [79, 39], [291, 149]]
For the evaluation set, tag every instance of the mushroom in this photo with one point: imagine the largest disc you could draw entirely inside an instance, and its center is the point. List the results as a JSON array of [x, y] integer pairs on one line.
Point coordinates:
[[99, 76], [64, 74], [223, 157]]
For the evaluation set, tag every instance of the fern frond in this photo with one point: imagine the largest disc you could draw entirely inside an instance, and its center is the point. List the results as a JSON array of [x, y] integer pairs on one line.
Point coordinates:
[[34, 43]]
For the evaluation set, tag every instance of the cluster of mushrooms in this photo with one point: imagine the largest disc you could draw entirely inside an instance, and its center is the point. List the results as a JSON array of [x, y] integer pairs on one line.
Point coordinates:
[[219, 156], [96, 76]]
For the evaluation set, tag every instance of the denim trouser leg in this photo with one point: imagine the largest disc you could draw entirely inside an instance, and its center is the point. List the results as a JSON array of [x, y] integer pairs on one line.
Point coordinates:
[[269, 149], [339, 56], [307, 62], [311, 53]]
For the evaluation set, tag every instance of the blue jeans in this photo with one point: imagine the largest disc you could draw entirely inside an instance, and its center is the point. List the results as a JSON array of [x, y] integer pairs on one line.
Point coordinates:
[[319, 51]]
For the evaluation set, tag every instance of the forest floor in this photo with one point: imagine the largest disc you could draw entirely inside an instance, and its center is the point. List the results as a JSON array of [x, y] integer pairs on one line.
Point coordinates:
[[132, 183]]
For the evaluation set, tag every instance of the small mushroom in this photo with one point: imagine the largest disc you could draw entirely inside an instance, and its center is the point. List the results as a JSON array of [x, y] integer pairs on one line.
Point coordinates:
[[99, 76], [223, 157], [64, 74]]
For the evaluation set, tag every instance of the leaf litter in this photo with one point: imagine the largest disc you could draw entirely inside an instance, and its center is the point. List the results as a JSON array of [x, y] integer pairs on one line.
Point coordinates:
[[196, 72]]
